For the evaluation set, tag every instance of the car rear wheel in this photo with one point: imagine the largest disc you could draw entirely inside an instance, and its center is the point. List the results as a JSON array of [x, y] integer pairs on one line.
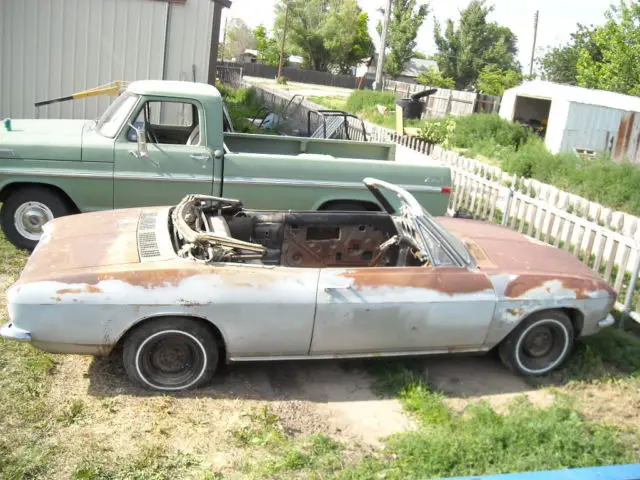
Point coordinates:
[[540, 344], [26, 211], [170, 354]]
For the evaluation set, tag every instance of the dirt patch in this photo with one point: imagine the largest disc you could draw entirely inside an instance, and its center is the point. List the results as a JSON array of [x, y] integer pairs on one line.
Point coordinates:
[[98, 410], [474, 378], [345, 402], [610, 402]]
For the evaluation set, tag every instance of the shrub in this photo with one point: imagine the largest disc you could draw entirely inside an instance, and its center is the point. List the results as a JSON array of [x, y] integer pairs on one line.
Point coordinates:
[[438, 130], [282, 80], [472, 129]]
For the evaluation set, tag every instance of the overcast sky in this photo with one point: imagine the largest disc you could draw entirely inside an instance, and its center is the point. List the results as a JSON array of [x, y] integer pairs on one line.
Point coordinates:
[[558, 18]]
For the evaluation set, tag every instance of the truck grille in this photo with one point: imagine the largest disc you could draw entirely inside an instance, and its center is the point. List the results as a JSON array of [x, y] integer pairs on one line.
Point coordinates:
[[147, 241]]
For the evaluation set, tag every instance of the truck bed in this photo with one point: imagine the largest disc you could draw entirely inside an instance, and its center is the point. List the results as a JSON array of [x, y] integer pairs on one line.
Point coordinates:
[[284, 145]]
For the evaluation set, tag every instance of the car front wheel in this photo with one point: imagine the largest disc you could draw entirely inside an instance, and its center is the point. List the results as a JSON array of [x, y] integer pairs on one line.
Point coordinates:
[[170, 354], [540, 344]]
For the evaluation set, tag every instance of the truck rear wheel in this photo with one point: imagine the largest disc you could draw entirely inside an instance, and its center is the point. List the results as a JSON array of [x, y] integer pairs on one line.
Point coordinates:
[[26, 211], [347, 206]]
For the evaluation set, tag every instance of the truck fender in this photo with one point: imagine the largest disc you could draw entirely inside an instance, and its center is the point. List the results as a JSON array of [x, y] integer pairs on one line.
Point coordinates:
[[8, 188]]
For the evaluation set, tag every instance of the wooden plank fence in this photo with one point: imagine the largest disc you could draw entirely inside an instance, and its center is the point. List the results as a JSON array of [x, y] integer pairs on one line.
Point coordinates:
[[445, 101]]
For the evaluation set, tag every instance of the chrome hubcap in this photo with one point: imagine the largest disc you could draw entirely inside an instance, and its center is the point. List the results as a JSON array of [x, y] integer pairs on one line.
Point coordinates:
[[29, 219]]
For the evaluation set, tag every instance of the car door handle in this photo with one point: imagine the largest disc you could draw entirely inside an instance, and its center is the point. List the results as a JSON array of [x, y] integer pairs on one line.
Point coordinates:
[[337, 287], [201, 157]]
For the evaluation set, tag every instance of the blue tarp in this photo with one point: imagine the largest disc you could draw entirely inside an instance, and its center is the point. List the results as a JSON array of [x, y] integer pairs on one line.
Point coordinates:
[[617, 472]]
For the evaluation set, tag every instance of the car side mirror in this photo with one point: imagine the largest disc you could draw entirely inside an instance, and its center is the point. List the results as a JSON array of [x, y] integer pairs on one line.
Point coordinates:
[[142, 141]]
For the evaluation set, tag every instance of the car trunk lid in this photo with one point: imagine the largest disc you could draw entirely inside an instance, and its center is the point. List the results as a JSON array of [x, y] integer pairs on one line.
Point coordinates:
[[502, 250]]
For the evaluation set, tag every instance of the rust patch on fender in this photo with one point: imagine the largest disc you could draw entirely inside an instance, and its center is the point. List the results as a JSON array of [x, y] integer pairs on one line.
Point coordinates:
[[448, 280], [84, 289], [516, 312], [138, 275], [525, 283]]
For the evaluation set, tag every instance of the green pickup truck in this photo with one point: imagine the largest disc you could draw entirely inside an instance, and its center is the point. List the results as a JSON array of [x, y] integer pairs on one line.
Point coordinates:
[[161, 140]]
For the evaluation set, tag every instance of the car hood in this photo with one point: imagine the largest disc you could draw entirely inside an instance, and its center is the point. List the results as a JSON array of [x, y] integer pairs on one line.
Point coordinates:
[[44, 139], [500, 250], [88, 241]]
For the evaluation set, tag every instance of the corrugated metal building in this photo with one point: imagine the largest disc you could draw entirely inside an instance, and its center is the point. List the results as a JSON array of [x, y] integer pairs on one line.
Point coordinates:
[[578, 118], [53, 48]]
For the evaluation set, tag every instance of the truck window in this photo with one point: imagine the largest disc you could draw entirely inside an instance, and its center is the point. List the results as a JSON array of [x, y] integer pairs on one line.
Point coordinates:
[[169, 123], [111, 121]]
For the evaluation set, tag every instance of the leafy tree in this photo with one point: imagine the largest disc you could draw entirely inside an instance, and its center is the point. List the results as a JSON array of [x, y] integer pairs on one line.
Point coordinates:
[[420, 56], [347, 45], [494, 80], [463, 51], [239, 38], [434, 78], [327, 33], [407, 16], [614, 62], [560, 64], [268, 47]]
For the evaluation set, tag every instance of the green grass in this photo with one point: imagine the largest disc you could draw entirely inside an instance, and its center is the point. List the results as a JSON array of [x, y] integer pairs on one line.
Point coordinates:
[[24, 419], [481, 441], [332, 102], [364, 104], [613, 353], [365, 100], [276, 454], [153, 463]]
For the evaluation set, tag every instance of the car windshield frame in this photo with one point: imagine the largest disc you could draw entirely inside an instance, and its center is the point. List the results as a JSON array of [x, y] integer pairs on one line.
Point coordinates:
[[434, 238], [114, 118]]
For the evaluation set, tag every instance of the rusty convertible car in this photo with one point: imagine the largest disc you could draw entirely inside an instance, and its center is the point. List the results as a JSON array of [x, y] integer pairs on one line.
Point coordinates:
[[179, 289]]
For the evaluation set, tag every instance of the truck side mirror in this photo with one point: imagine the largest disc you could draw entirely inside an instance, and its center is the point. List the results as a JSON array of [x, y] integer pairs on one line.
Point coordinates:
[[141, 135]]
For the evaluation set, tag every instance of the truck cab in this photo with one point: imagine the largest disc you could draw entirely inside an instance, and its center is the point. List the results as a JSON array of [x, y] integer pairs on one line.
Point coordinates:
[[161, 140]]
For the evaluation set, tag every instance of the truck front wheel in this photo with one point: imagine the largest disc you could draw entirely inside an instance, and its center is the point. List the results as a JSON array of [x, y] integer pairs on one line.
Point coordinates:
[[26, 211]]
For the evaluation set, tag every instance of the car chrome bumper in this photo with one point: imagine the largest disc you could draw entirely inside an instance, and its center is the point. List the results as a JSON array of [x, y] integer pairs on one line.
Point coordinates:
[[11, 332], [607, 322]]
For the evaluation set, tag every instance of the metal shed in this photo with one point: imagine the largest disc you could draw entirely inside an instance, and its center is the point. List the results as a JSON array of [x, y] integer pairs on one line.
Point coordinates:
[[576, 118], [53, 48]]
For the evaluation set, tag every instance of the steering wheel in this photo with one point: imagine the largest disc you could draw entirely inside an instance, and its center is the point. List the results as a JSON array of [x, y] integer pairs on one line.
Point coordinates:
[[383, 248], [405, 248]]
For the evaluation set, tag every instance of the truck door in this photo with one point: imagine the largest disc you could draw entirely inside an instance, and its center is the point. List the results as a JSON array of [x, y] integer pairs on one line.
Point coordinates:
[[178, 163]]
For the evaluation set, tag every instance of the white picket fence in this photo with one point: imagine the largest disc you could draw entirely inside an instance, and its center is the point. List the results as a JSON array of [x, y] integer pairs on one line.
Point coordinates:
[[605, 240]]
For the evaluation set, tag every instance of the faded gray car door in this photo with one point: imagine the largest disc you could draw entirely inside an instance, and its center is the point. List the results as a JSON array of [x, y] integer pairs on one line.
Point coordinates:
[[401, 309], [262, 311]]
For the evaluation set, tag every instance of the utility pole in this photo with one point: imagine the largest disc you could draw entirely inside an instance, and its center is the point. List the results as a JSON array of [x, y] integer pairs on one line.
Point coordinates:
[[284, 39], [218, 5], [224, 39], [533, 47], [383, 44]]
